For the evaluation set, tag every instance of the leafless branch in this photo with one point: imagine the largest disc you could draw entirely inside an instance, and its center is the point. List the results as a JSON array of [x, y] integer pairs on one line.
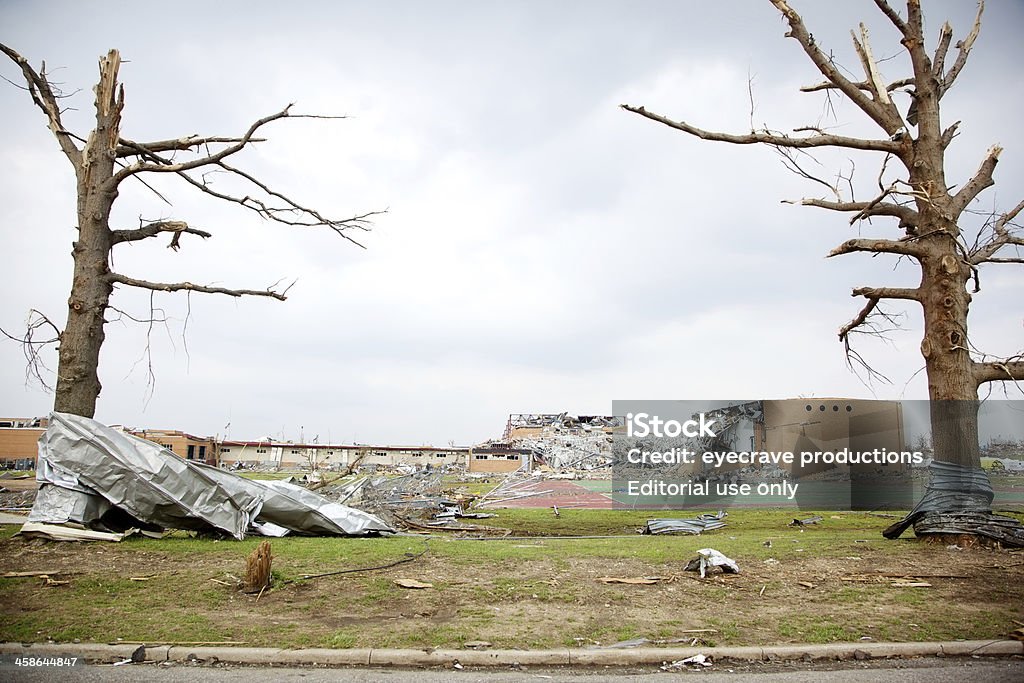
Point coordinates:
[[306, 217], [884, 115], [150, 320], [861, 85], [147, 351], [876, 86], [1001, 237], [941, 49], [117, 278], [760, 137], [903, 247], [910, 294], [875, 322], [150, 150], [233, 148], [981, 180], [964, 49], [893, 15], [870, 321], [32, 347], [949, 134], [793, 166], [45, 98], [1011, 369], [876, 207], [155, 228]]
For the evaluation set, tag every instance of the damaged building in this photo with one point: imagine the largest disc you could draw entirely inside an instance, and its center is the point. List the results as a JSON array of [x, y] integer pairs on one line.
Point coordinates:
[[551, 441], [292, 456], [19, 448]]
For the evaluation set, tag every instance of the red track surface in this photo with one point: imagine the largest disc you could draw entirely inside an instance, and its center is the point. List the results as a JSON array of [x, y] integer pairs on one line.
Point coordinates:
[[563, 494]]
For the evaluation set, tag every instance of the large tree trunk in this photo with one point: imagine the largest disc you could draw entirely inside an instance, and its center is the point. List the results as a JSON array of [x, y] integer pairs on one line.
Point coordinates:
[[952, 388], [78, 384]]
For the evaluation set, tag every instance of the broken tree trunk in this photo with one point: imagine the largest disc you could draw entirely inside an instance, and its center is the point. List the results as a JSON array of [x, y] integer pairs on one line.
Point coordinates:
[[78, 384], [257, 569]]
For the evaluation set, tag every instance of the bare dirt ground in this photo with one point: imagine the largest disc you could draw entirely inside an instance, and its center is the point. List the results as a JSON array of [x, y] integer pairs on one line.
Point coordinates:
[[545, 598]]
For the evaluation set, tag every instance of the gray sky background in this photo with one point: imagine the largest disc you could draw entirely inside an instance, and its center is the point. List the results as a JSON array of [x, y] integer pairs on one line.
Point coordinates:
[[543, 250]]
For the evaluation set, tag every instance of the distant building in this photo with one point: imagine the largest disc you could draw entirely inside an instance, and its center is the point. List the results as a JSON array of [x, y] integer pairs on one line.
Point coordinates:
[[530, 425], [182, 444], [19, 437], [499, 458], [288, 455]]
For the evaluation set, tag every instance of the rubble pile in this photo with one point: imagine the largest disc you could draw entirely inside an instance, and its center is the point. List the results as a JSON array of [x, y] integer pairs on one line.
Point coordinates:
[[566, 442], [417, 500]]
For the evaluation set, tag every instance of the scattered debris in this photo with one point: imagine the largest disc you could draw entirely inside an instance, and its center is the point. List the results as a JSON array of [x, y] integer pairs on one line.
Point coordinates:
[[806, 522], [697, 660], [806, 584], [1017, 634], [19, 575], [413, 584], [138, 657], [56, 532], [695, 526], [904, 580], [476, 644], [638, 581], [47, 581], [622, 645], [709, 557], [409, 557]]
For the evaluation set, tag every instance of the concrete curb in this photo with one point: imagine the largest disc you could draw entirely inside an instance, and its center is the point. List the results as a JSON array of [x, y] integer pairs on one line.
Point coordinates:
[[101, 653]]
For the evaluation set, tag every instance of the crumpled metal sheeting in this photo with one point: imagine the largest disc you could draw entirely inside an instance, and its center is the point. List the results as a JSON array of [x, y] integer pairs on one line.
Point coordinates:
[[958, 500], [139, 477], [951, 488], [298, 509], [55, 504], [695, 526], [92, 462]]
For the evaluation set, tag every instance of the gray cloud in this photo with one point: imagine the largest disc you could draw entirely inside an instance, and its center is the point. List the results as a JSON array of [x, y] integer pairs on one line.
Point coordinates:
[[543, 249]]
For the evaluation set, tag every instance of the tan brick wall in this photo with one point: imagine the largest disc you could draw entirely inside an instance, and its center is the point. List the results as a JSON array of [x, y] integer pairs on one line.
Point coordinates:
[[493, 464], [17, 443], [179, 443]]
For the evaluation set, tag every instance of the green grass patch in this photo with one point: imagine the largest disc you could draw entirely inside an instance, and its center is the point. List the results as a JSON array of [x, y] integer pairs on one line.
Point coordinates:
[[531, 590]]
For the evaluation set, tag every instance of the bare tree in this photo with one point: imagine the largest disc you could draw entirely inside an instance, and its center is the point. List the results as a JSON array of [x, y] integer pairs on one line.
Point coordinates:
[[926, 212], [103, 160]]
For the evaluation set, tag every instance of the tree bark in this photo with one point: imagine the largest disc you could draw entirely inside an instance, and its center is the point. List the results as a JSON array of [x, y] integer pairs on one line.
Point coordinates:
[[78, 383]]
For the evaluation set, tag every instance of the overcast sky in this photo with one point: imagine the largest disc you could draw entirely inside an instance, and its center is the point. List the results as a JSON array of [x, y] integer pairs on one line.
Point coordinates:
[[542, 250]]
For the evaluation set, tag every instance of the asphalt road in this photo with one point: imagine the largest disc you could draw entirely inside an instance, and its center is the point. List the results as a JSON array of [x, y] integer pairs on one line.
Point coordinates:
[[920, 670]]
